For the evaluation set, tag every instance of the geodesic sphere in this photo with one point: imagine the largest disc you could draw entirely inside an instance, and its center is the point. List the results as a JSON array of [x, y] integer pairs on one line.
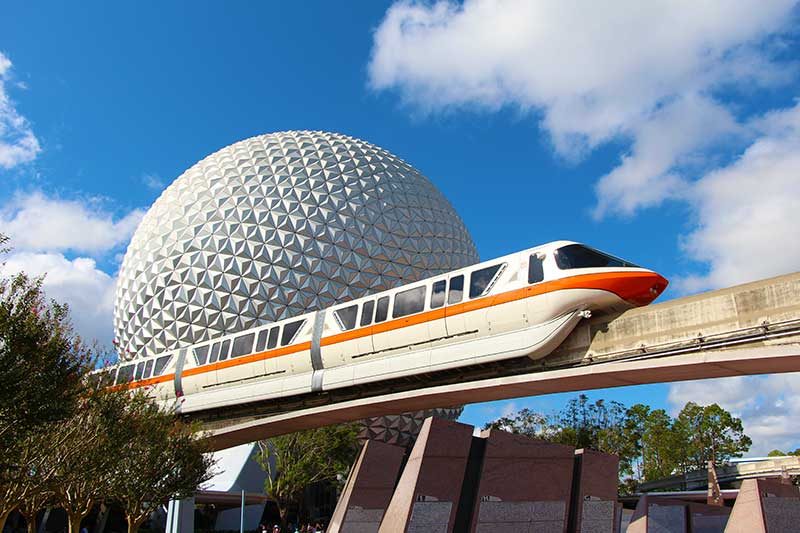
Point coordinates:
[[274, 226]]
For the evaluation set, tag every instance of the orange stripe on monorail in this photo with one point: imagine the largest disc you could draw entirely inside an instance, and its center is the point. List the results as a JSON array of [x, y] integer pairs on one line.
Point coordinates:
[[616, 282]]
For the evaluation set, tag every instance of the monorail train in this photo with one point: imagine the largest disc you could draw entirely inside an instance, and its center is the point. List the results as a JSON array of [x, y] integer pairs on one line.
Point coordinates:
[[520, 305]]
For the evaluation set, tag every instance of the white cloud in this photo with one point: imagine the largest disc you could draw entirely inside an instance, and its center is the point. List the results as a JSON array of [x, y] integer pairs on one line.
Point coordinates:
[[153, 181], [18, 144], [53, 237], [36, 222], [78, 282], [591, 71], [769, 406], [747, 211]]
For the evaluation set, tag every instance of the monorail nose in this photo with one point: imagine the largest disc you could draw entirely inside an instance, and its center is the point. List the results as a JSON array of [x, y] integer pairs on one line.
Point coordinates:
[[643, 289]]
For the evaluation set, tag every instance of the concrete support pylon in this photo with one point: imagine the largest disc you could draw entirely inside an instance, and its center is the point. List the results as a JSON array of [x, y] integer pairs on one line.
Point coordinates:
[[368, 489], [427, 495], [180, 516]]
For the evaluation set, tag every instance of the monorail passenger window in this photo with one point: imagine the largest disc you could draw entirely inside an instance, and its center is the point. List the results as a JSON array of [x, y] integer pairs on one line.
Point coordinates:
[[261, 343], [223, 352], [148, 368], [579, 256], [437, 294], [535, 269], [382, 310], [125, 373], [214, 353], [273, 337], [161, 364], [346, 317], [366, 312], [481, 281], [243, 345], [105, 378], [200, 355], [290, 331], [409, 302], [456, 289], [139, 372]]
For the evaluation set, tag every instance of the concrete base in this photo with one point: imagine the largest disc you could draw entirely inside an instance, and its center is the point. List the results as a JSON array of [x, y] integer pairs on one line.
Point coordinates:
[[765, 506], [457, 482], [664, 515], [368, 489], [524, 484]]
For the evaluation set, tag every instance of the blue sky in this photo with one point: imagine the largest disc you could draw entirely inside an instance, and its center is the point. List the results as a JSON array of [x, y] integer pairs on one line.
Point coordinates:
[[667, 134]]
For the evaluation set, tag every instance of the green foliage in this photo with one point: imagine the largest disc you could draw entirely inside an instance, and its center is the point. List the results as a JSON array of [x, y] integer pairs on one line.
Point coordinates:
[[709, 433], [295, 461], [650, 443], [158, 457], [41, 360], [66, 442]]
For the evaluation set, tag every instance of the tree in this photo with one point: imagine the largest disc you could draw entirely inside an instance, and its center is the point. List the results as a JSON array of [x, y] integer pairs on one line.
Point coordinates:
[[295, 461], [84, 462], [164, 459], [710, 433], [42, 361]]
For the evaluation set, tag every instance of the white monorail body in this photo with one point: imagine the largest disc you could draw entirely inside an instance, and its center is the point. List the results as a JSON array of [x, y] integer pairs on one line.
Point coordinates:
[[520, 305]]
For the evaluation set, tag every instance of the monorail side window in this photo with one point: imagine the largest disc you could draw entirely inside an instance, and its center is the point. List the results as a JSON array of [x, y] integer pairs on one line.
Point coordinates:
[[535, 269], [579, 256], [346, 317], [366, 312], [290, 331], [243, 345], [481, 281], [214, 353], [148, 367], [273, 337], [409, 302], [382, 311], [223, 352], [200, 355], [139, 372], [161, 364], [261, 343], [456, 289], [125, 373], [437, 294]]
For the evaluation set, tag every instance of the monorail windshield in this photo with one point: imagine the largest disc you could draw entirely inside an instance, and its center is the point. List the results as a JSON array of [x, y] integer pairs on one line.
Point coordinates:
[[579, 256]]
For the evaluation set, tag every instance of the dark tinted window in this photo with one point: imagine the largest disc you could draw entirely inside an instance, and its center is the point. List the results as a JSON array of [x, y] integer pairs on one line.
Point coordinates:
[[409, 302], [243, 344], [139, 371], [535, 270], [578, 256], [214, 353], [456, 290], [437, 294], [289, 331], [125, 373], [347, 317], [273, 337], [261, 343], [480, 279], [161, 363], [382, 311], [223, 352], [366, 312], [148, 367], [200, 354]]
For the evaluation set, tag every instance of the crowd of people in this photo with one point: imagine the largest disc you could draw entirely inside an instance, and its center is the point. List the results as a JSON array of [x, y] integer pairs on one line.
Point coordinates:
[[311, 527]]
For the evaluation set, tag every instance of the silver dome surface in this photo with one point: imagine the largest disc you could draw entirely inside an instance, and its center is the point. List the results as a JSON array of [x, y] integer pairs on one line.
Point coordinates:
[[274, 226]]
